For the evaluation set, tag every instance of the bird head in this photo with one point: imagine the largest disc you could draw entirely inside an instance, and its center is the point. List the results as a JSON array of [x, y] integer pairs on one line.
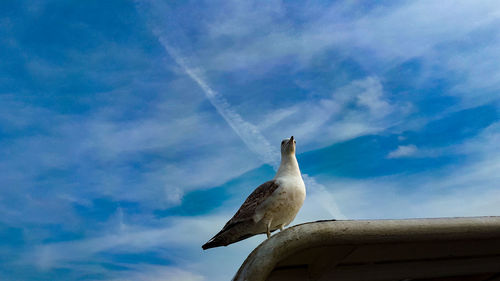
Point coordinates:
[[288, 146]]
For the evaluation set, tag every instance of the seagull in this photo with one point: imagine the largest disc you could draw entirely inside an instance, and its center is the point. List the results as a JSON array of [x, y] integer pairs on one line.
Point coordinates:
[[271, 206]]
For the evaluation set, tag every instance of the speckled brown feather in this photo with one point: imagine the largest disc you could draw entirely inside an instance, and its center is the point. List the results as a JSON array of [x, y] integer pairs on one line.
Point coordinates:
[[244, 214], [247, 210]]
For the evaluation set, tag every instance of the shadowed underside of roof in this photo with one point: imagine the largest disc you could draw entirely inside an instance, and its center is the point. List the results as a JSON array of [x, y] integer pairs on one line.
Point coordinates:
[[444, 249]]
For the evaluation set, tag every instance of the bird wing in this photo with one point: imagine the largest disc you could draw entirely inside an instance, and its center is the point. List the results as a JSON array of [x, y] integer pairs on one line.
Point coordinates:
[[247, 210], [232, 231]]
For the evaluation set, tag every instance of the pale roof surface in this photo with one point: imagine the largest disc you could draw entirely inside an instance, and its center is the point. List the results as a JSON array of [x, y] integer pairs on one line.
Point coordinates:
[[423, 249]]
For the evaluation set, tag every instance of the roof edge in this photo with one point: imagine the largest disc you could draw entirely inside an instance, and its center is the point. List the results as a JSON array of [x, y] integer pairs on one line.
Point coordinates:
[[259, 264]]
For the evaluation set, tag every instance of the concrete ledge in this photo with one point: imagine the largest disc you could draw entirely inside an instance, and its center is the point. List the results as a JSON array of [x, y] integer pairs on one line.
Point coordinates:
[[261, 262]]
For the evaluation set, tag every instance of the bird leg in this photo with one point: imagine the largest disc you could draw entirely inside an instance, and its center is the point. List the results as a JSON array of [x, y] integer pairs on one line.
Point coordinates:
[[269, 229]]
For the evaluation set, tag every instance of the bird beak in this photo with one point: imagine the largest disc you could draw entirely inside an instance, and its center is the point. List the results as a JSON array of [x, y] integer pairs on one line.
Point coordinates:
[[291, 138]]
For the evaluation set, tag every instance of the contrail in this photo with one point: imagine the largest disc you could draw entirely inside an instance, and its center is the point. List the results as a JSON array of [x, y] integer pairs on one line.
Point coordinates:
[[249, 133]]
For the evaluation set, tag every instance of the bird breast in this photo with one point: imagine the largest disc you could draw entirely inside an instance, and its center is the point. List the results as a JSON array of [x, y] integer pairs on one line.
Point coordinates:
[[285, 202]]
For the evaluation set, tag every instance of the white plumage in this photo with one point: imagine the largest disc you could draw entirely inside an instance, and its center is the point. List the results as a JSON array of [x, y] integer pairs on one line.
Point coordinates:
[[273, 205]]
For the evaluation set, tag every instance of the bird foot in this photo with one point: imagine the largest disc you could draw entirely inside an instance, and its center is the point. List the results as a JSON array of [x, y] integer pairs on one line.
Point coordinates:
[[268, 229]]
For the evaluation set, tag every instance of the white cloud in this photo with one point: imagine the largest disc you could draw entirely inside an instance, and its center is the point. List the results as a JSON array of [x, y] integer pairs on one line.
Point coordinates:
[[393, 32], [359, 108], [387, 35], [480, 81], [377, 38], [470, 189], [157, 273], [403, 151], [97, 148], [189, 232], [254, 41], [372, 97]]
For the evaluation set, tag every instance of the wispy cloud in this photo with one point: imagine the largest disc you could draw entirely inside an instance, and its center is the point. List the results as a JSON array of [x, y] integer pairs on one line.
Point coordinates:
[[157, 273], [362, 107], [403, 151], [99, 135], [128, 239], [186, 233], [389, 33], [469, 189], [249, 133]]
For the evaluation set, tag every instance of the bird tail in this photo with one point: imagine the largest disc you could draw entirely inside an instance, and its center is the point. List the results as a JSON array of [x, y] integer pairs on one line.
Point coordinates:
[[228, 235], [220, 239], [212, 244]]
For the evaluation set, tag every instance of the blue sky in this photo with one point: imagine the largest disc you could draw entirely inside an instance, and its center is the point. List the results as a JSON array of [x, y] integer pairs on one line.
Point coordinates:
[[131, 131]]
